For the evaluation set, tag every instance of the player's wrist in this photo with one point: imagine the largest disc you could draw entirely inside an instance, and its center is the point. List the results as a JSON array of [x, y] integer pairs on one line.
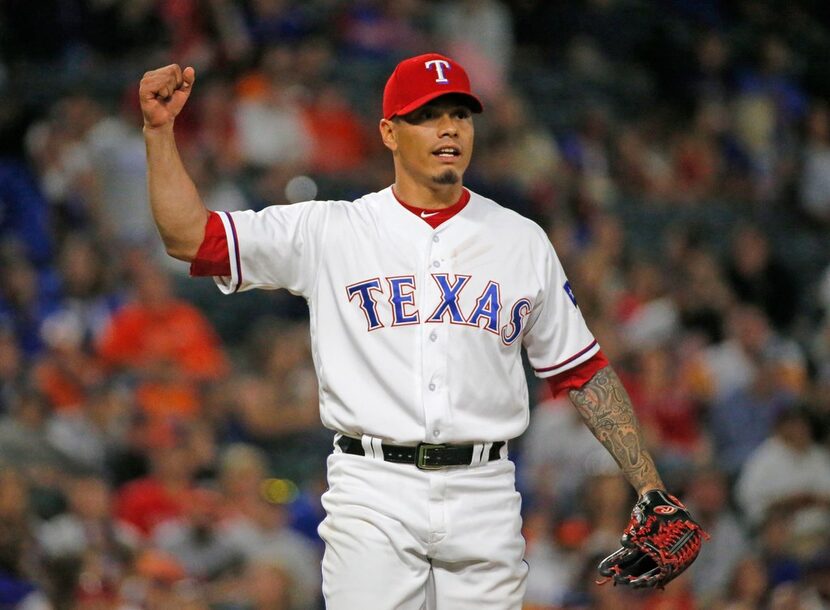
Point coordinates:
[[649, 487], [163, 130]]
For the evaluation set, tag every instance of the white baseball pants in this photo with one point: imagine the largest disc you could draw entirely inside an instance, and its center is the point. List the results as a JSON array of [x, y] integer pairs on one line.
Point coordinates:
[[391, 528]]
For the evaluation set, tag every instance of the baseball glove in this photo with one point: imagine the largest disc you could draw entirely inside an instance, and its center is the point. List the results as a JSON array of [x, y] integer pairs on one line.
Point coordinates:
[[660, 542]]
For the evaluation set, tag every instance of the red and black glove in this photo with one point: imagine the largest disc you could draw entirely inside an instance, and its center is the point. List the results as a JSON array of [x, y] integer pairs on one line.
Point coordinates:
[[660, 542]]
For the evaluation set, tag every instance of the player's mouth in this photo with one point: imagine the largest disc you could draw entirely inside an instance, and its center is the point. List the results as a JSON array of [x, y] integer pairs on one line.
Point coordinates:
[[447, 154]]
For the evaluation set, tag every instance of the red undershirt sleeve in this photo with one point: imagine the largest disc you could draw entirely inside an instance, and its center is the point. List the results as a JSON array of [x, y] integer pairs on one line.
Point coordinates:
[[578, 376], [212, 257]]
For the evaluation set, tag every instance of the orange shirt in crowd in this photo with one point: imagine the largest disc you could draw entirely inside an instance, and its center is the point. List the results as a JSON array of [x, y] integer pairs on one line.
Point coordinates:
[[171, 349]]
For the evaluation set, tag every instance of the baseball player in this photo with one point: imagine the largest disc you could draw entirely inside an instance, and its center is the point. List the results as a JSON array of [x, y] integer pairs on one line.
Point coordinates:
[[421, 297]]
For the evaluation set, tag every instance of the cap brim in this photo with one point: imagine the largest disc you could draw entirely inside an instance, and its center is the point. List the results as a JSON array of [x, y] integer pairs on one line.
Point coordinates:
[[475, 103]]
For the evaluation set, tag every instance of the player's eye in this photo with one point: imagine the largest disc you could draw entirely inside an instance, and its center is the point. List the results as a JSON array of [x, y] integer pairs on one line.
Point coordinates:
[[420, 116], [462, 113]]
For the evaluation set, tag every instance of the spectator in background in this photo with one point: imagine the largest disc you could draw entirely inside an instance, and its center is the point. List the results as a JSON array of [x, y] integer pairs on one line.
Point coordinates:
[[814, 181], [748, 586], [523, 153], [760, 280], [89, 290], [24, 443], [195, 538], [19, 567], [114, 146], [56, 145], [339, 137], [91, 430], [817, 593], [260, 531], [642, 164], [711, 78], [164, 343], [159, 582], [268, 115], [24, 213], [551, 567], [27, 298], [212, 128], [242, 473], [742, 420], [699, 288], [265, 585], [65, 373], [769, 104], [604, 499], [791, 470], [11, 369], [707, 496], [116, 30], [220, 192], [731, 364], [647, 314], [558, 456], [380, 31], [277, 21], [696, 155], [88, 542], [479, 35], [666, 406], [774, 539], [276, 405], [586, 150], [163, 494]]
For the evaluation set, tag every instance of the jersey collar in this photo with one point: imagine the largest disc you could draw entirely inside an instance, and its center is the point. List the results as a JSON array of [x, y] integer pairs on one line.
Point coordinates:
[[435, 218]]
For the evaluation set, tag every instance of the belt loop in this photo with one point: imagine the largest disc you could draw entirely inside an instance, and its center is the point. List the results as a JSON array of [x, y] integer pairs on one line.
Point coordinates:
[[371, 447], [337, 437], [377, 448], [481, 453], [503, 454]]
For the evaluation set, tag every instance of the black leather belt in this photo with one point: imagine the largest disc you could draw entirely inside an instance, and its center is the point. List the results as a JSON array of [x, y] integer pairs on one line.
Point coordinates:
[[424, 456]]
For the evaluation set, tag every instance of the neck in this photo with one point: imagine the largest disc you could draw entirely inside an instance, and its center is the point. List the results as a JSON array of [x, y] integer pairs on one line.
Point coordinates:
[[427, 196]]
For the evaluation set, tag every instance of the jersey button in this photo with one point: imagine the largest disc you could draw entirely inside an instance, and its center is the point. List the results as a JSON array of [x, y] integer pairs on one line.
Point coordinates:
[[432, 387], [433, 337], [436, 239], [436, 433], [436, 264]]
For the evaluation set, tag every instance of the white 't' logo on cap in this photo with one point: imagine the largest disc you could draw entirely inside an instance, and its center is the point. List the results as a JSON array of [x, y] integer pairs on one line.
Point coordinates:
[[439, 64]]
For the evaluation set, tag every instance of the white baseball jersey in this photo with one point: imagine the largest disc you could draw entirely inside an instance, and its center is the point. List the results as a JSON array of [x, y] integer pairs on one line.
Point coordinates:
[[416, 332]]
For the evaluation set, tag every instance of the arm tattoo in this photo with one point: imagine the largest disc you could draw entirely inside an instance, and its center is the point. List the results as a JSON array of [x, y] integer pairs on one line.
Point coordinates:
[[606, 409]]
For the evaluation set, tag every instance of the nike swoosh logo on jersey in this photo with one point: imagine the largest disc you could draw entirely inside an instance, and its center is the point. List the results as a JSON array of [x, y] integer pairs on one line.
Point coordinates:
[[425, 215]]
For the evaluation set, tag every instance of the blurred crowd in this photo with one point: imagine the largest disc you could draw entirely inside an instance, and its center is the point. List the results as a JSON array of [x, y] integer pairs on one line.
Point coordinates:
[[160, 445]]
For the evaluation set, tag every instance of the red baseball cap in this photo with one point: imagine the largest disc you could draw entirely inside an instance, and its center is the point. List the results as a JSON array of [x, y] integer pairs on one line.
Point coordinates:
[[420, 79]]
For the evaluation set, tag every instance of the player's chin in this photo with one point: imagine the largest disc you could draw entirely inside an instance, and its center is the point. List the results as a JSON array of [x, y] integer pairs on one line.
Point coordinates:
[[447, 176]]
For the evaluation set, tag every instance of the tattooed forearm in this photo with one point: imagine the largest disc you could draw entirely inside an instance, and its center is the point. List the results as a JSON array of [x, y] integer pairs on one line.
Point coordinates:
[[606, 409]]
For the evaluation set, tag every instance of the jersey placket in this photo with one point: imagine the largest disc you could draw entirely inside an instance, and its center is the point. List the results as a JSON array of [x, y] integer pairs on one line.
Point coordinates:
[[435, 346]]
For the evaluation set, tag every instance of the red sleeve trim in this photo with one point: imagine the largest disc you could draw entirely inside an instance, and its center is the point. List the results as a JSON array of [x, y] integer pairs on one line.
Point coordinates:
[[212, 257], [578, 376]]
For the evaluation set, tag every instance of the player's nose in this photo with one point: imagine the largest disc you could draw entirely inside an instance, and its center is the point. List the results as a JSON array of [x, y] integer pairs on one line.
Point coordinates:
[[447, 126]]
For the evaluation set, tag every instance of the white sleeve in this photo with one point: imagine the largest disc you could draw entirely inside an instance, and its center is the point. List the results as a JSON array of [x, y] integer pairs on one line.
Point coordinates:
[[557, 338], [277, 247]]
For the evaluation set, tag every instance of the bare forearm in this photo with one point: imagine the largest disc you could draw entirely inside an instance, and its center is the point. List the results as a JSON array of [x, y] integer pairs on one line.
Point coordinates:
[[175, 203], [606, 409]]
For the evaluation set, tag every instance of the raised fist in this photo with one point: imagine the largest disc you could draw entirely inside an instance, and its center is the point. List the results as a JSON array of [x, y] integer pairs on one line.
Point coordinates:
[[163, 93]]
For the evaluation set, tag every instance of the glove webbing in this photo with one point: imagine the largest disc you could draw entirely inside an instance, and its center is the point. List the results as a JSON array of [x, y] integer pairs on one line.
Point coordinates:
[[679, 542]]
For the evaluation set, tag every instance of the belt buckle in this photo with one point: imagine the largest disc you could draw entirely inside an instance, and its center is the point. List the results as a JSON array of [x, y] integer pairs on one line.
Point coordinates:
[[421, 459]]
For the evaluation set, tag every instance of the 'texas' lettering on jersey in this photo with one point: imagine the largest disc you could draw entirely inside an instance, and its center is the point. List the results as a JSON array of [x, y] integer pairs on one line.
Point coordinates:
[[400, 292]]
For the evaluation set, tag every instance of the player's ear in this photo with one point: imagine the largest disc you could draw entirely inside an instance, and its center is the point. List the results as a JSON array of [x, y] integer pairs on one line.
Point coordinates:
[[388, 134]]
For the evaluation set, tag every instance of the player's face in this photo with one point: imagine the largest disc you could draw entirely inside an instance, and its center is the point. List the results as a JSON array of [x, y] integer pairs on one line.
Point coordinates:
[[433, 143]]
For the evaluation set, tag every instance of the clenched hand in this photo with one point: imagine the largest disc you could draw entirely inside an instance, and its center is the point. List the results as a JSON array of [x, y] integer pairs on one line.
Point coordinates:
[[163, 93]]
